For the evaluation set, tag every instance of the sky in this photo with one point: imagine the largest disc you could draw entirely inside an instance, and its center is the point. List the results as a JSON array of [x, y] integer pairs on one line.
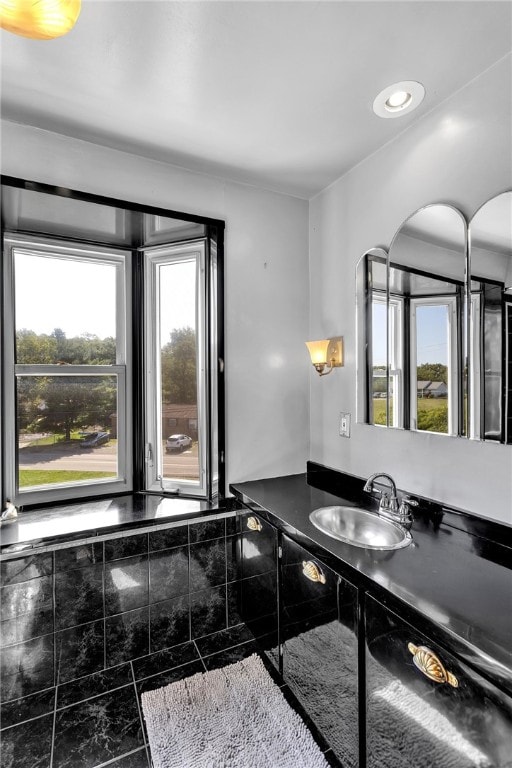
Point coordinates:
[[79, 297], [432, 334]]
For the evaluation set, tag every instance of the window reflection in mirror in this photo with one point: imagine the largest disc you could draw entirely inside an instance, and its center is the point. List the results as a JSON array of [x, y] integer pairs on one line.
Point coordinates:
[[416, 374], [490, 233], [426, 282]]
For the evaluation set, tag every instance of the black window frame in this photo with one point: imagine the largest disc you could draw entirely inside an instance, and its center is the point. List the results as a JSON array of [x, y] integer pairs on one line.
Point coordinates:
[[214, 330]]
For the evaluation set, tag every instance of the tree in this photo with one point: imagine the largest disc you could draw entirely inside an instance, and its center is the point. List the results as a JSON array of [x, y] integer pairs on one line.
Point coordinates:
[[35, 349], [69, 404], [179, 369], [432, 372]]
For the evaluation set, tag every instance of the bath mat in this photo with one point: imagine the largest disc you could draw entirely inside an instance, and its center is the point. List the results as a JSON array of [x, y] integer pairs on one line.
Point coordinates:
[[234, 717]]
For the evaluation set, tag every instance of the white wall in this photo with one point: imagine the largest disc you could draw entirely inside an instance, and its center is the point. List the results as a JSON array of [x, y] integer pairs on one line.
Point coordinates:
[[267, 293], [460, 154]]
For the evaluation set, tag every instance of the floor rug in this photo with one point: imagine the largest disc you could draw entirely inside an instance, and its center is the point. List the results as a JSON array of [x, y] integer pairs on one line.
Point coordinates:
[[226, 718]]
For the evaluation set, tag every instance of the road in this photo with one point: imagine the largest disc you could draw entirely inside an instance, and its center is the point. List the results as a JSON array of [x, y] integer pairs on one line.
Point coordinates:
[[101, 459]]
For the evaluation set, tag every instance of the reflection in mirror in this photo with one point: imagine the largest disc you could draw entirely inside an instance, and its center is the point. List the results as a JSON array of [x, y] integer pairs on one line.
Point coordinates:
[[490, 235], [372, 367], [426, 321]]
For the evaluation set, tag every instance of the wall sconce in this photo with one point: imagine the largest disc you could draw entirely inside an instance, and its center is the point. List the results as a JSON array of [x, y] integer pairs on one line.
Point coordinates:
[[326, 353], [39, 19]]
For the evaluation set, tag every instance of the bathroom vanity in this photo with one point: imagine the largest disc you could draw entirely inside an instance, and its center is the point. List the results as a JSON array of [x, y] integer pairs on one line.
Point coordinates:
[[400, 658]]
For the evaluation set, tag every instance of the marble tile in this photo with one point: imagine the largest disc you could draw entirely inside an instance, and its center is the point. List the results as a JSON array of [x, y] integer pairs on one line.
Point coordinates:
[[165, 660], [15, 712], [258, 596], [25, 568], [208, 611], [233, 557], [26, 597], [80, 650], [97, 730], [229, 656], [168, 573], [207, 564], [210, 529], [127, 636], [78, 557], [92, 685], [28, 745], [126, 584], [168, 538], [169, 623], [231, 526], [170, 676], [78, 596], [26, 610], [27, 667], [233, 604], [224, 639], [138, 759], [126, 546]]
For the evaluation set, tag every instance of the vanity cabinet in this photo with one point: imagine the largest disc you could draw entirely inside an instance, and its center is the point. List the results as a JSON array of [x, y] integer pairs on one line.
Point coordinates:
[[424, 707], [319, 645], [257, 560]]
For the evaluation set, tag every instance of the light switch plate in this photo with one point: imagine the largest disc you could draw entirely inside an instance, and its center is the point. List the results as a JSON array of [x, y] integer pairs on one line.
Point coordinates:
[[344, 424]]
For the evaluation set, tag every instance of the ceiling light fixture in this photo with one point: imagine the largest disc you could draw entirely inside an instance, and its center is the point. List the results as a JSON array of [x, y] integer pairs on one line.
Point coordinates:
[[39, 19], [399, 99]]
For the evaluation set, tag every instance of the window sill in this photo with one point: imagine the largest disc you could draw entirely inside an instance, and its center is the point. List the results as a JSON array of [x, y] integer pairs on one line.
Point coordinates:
[[58, 525]]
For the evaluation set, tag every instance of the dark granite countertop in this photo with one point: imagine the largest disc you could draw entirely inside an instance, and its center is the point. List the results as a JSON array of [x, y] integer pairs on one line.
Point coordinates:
[[84, 519], [460, 581]]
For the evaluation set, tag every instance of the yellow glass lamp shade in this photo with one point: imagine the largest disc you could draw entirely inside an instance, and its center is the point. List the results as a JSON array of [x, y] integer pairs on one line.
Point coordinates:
[[318, 351], [326, 354], [39, 19]]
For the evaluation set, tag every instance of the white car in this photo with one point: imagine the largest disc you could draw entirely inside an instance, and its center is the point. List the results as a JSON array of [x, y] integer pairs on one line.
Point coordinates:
[[177, 443]]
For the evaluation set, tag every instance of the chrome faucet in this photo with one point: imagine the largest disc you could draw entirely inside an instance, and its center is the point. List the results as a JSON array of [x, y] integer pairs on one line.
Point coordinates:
[[389, 506]]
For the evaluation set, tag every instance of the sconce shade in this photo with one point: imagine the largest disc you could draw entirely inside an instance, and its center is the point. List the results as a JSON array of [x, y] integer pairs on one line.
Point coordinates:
[[39, 19], [326, 354], [318, 351]]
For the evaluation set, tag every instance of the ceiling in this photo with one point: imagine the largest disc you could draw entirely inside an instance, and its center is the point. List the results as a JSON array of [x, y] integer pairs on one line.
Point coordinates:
[[276, 94]]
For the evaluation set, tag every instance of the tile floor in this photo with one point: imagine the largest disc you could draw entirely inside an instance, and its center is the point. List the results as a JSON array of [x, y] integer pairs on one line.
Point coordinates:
[[97, 720]]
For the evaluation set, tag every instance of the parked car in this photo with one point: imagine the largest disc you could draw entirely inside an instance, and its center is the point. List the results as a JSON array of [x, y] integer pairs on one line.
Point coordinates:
[[94, 439], [177, 443]]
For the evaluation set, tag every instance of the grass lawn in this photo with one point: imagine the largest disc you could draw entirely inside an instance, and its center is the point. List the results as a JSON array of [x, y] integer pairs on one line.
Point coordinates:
[[432, 413], [52, 439], [30, 477]]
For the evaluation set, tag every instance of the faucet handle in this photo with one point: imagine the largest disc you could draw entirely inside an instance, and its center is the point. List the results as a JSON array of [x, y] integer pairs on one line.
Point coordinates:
[[404, 512]]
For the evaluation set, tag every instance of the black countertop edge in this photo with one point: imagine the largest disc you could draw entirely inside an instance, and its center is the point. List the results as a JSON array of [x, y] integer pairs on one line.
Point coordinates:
[[492, 662], [341, 483], [74, 521]]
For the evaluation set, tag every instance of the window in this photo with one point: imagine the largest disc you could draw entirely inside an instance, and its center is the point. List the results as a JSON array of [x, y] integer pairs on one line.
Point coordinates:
[[112, 330], [175, 362], [66, 359], [434, 367]]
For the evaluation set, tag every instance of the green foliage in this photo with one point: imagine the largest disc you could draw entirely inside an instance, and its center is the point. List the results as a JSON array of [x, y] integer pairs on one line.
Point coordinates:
[[433, 415], [59, 404], [432, 372], [179, 374]]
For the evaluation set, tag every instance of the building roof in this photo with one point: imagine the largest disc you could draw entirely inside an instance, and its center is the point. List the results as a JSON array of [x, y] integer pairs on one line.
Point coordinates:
[[179, 411]]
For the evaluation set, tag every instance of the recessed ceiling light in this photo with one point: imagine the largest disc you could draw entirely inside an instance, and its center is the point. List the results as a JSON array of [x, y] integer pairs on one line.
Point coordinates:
[[398, 99]]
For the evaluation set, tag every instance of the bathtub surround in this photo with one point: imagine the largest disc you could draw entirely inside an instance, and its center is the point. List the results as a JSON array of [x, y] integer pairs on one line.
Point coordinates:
[[87, 608]]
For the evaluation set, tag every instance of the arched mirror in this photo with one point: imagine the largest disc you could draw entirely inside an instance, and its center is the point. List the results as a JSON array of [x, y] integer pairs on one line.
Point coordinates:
[[372, 334], [413, 311], [490, 239]]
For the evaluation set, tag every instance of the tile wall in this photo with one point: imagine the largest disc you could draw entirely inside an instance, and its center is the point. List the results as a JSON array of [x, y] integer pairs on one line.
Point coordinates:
[[82, 609]]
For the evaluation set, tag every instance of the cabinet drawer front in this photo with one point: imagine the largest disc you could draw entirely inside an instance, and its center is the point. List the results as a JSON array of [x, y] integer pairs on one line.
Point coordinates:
[[259, 545], [424, 707], [309, 588]]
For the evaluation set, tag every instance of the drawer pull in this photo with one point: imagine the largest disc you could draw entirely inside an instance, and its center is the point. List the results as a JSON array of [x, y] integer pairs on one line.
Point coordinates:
[[254, 524], [431, 666], [312, 572]]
